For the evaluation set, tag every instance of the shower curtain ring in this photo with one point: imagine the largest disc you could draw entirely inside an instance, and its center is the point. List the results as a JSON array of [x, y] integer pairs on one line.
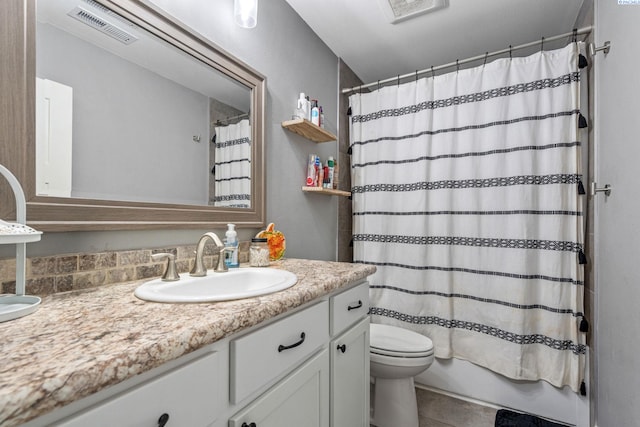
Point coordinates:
[[416, 75], [542, 45], [433, 73], [574, 38], [378, 84], [457, 65], [398, 80], [486, 55], [510, 53]]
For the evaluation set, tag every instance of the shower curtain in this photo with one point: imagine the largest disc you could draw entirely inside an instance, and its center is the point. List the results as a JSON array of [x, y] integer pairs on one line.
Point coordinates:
[[233, 165], [467, 196]]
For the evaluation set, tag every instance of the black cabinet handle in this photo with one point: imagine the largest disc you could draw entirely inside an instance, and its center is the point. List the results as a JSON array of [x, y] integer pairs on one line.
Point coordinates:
[[248, 425], [342, 347], [354, 307], [163, 420], [287, 347]]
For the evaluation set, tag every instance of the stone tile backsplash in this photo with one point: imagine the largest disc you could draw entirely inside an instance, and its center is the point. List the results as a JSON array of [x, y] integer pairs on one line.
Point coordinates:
[[67, 272]]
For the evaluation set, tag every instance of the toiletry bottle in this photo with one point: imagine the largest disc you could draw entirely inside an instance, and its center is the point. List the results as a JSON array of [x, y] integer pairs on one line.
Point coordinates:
[[231, 243], [336, 175], [315, 113], [320, 176], [311, 170], [321, 117], [325, 181], [318, 167], [301, 105], [308, 108], [331, 171]]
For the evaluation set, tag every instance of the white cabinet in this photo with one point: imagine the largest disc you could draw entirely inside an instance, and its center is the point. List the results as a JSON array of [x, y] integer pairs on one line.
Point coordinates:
[[267, 353], [186, 396], [301, 399], [309, 368], [349, 349], [330, 389], [350, 377]]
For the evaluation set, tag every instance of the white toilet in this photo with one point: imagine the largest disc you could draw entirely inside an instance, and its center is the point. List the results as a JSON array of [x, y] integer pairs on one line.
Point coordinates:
[[397, 355]]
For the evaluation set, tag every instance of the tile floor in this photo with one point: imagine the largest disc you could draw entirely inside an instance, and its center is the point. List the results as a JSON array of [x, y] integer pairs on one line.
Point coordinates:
[[439, 410]]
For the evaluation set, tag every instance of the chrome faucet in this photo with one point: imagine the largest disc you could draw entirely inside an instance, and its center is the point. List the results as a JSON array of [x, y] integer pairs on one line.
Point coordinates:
[[199, 269]]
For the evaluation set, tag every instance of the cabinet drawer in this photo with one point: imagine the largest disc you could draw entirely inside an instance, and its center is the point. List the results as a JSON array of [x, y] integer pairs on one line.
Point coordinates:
[[348, 307], [188, 395], [263, 355]]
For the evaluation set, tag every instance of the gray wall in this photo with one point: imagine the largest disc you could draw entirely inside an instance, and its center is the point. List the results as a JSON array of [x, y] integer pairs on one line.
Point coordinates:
[[294, 59], [617, 225], [132, 128]]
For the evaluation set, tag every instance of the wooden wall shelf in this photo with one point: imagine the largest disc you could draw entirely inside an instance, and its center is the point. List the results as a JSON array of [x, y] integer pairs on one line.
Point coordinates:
[[305, 128], [327, 191]]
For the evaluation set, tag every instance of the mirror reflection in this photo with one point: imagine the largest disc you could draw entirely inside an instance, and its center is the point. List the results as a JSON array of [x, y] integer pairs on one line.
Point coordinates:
[[123, 116]]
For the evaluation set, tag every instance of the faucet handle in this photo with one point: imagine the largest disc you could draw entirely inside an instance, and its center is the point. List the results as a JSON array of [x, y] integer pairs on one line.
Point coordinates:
[[170, 273], [222, 265]]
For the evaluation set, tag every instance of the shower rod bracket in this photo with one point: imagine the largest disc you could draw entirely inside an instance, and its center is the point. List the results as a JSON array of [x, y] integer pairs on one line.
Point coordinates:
[[605, 48], [606, 189]]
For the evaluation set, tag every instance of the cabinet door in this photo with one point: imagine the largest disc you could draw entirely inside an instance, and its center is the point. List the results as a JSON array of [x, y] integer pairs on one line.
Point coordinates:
[[300, 400], [350, 377]]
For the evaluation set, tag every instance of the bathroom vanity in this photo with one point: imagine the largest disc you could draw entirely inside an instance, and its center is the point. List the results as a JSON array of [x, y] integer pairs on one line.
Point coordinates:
[[102, 357]]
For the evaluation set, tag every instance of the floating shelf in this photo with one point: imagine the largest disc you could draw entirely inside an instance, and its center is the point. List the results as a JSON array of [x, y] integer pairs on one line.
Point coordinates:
[[305, 128], [327, 191]]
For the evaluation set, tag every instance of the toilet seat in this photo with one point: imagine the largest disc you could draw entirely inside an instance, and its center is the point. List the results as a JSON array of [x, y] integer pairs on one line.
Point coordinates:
[[387, 340]]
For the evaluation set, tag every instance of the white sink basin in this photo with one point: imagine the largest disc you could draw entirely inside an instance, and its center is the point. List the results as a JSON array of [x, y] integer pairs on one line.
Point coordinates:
[[233, 284]]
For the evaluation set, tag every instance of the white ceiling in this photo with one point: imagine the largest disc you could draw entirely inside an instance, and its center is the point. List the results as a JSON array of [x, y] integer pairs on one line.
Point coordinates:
[[359, 33]]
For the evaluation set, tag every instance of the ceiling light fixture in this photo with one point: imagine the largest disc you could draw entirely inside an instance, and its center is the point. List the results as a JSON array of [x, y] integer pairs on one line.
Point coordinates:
[[401, 10], [245, 13]]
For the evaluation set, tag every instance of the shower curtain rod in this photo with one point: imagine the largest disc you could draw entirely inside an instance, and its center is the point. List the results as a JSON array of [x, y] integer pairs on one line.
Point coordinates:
[[577, 32], [228, 119]]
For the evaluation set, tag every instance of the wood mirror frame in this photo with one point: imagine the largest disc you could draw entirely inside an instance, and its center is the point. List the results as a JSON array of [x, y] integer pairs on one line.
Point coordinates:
[[17, 131]]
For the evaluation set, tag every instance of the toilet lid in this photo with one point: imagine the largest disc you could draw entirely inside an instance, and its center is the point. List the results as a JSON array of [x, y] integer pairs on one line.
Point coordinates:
[[392, 340]]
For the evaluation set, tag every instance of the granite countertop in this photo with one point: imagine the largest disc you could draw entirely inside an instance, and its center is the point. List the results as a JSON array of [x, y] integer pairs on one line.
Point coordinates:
[[78, 343]]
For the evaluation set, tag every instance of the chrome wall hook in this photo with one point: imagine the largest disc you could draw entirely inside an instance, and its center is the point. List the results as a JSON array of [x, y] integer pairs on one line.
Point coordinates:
[[606, 189]]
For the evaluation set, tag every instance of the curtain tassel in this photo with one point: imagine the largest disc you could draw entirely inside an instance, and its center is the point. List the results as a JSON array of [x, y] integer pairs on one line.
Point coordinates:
[[582, 61], [581, 188], [583, 389], [582, 258], [349, 111], [582, 122], [584, 325]]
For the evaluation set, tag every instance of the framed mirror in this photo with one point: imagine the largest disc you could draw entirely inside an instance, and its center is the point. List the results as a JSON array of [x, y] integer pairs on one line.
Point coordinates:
[[135, 122]]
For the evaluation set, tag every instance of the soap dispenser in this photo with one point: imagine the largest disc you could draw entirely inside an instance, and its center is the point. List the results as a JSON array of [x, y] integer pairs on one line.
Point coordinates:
[[231, 243]]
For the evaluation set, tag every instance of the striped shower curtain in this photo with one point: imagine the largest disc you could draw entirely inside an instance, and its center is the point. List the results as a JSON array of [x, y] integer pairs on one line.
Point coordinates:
[[233, 165], [467, 196]]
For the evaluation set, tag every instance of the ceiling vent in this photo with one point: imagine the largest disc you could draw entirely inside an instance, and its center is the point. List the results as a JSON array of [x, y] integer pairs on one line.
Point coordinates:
[[401, 10], [103, 25]]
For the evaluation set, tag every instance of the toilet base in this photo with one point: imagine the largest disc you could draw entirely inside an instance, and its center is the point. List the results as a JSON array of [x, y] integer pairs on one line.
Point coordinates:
[[394, 403]]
